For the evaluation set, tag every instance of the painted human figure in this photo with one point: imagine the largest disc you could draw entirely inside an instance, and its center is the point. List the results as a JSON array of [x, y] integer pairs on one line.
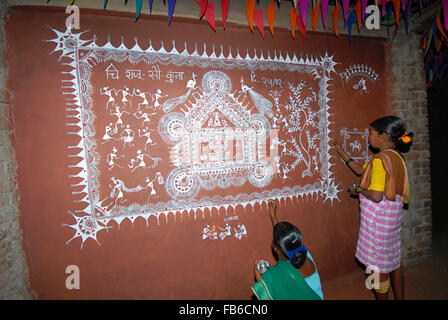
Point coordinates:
[[107, 92], [225, 232], [142, 95], [143, 115], [112, 157], [127, 136], [125, 94], [208, 232], [147, 134], [117, 191], [156, 98], [109, 131], [118, 113], [240, 231]]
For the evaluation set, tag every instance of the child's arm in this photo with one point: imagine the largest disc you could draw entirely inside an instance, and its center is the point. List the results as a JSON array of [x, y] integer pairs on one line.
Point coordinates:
[[273, 212]]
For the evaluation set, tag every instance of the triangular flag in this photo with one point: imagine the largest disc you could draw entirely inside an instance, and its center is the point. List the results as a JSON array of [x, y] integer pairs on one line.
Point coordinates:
[[150, 6], [445, 13], [350, 21], [406, 18], [270, 12], [259, 20], [210, 15], [324, 7], [138, 8], [224, 11], [292, 20], [203, 6], [396, 4], [171, 5], [250, 7], [105, 3], [70, 2], [345, 6], [336, 18], [383, 8], [299, 23], [363, 9], [303, 5], [403, 5], [358, 13], [439, 25], [314, 15]]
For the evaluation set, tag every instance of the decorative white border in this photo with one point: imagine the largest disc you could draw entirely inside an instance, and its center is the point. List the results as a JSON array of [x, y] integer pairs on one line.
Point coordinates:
[[82, 54]]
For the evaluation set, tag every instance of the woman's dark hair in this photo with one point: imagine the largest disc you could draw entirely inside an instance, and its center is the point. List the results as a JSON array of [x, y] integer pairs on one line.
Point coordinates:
[[395, 128], [286, 238]]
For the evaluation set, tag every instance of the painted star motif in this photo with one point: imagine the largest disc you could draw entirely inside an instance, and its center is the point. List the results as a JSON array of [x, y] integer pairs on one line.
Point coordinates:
[[328, 63], [85, 228]]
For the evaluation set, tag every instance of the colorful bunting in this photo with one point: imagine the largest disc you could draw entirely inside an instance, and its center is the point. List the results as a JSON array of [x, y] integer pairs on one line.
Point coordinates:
[[171, 5], [303, 5], [270, 12], [150, 6], [363, 9], [209, 12], [345, 6], [336, 18], [203, 6], [250, 6], [300, 25], [224, 11], [314, 15], [439, 26], [445, 13], [396, 4], [105, 3], [259, 20], [350, 21], [324, 7], [292, 19], [138, 8], [358, 13]]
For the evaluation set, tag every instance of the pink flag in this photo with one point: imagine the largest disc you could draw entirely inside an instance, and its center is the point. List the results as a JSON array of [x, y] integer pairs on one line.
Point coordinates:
[[324, 7], [209, 12], [203, 6], [303, 5], [259, 20]]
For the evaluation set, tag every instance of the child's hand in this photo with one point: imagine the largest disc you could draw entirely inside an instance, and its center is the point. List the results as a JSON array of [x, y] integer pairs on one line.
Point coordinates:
[[257, 274]]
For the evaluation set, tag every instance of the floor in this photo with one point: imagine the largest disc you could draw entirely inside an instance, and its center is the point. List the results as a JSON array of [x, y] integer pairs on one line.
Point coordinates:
[[425, 281]]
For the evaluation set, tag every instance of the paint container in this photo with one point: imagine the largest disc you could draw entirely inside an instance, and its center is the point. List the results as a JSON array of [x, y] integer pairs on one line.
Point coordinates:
[[262, 266]]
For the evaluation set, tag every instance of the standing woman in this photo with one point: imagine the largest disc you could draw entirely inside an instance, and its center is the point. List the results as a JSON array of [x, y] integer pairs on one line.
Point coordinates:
[[383, 189]]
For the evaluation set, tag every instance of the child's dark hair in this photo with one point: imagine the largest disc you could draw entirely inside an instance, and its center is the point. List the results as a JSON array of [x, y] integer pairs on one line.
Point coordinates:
[[287, 237], [395, 128]]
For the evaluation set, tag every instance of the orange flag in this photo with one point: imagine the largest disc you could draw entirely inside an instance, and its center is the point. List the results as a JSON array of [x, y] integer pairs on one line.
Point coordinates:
[[314, 15], [397, 11], [336, 18], [358, 13], [439, 26], [250, 7], [292, 19], [270, 12]]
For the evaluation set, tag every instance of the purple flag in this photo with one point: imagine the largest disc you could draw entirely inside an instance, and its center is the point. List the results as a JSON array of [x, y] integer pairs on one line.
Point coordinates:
[[323, 7], [345, 6], [303, 5], [363, 9], [383, 7]]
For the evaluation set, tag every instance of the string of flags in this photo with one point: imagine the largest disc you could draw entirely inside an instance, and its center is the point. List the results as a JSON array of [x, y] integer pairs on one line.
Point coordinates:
[[360, 14], [434, 43]]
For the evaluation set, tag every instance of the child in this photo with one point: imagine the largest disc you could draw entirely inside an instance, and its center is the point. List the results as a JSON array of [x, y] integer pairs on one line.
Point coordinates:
[[383, 189], [284, 281]]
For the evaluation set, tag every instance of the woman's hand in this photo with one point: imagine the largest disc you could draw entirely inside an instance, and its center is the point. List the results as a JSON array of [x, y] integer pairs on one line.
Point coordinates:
[[273, 211], [257, 274], [338, 147], [352, 190]]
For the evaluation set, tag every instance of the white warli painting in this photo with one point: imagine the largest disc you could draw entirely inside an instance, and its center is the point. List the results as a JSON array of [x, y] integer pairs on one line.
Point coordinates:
[[356, 75], [356, 143], [168, 131]]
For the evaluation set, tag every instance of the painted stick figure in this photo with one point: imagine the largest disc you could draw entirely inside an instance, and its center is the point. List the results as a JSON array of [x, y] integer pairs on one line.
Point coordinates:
[[147, 134], [112, 157], [118, 113], [127, 136], [108, 93]]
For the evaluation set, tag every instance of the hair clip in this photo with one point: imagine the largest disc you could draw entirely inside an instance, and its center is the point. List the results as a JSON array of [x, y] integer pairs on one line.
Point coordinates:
[[405, 138]]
